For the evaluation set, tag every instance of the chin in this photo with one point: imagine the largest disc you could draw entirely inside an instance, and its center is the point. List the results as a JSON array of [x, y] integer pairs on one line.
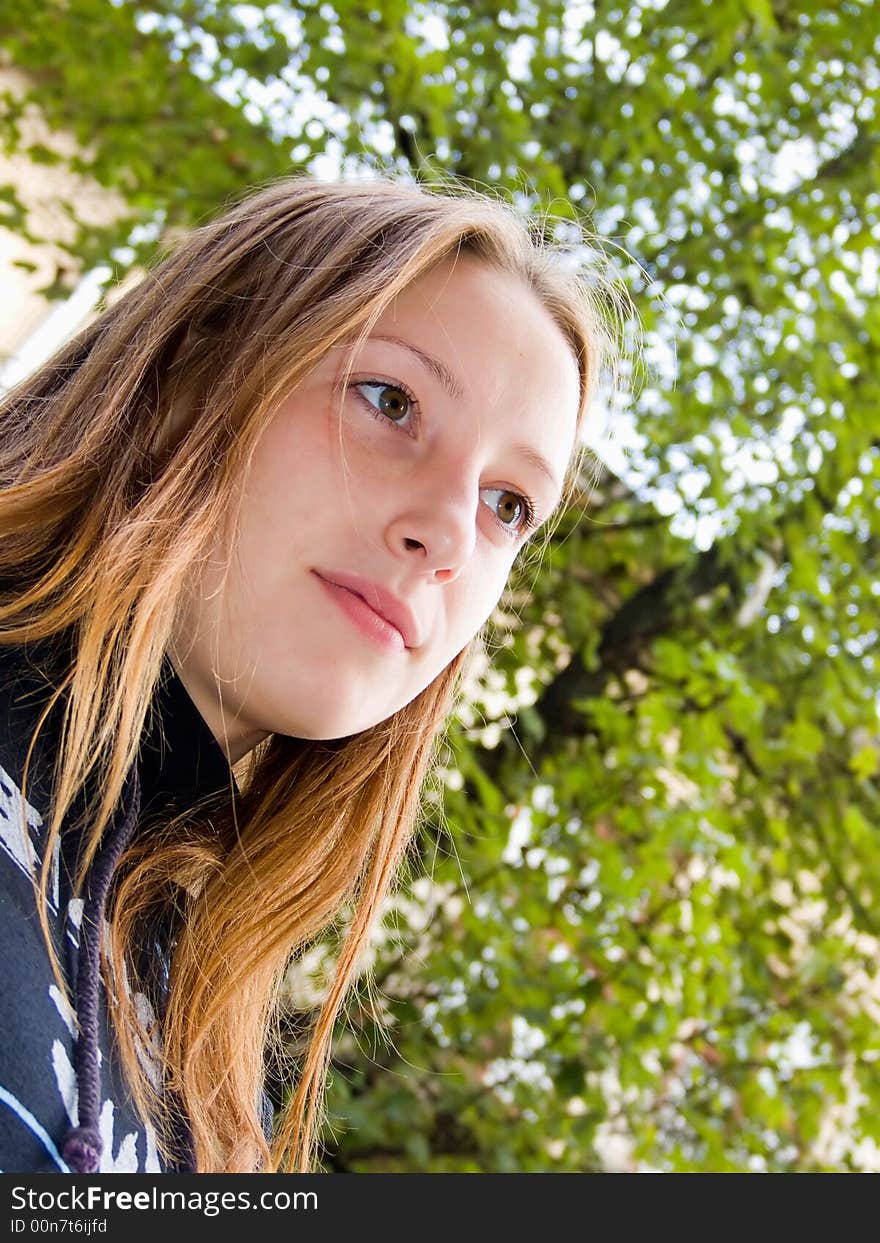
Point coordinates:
[[326, 708], [333, 727]]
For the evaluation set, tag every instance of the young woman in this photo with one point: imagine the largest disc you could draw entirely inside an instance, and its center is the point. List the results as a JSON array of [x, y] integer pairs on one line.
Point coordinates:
[[252, 521]]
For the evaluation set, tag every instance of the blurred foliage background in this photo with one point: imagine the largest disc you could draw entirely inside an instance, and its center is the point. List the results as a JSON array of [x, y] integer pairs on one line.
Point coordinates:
[[643, 929]]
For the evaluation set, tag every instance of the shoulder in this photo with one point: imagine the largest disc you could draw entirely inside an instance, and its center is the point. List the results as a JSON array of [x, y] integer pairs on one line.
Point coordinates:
[[28, 678]]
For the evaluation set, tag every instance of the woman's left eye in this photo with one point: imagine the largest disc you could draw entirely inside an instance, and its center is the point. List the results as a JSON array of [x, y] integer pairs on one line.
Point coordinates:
[[517, 506]]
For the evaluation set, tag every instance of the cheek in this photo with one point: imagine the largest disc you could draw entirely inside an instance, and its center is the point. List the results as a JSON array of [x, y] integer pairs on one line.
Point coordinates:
[[295, 478], [474, 601]]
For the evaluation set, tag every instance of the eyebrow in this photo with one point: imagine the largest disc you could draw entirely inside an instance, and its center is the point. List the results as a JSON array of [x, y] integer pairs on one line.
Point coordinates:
[[442, 373], [439, 370], [540, 463]]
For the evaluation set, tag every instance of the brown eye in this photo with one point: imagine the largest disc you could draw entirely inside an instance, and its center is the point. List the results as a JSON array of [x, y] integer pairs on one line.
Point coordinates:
[[510, 509], [390, 401], [513, 511], [393, 402]]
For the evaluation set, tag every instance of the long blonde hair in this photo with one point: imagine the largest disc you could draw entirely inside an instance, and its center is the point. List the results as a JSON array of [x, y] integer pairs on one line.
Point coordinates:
[[105, 515]]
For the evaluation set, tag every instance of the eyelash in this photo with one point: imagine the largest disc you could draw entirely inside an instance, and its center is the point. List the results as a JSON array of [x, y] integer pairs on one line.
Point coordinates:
[[530, 517]]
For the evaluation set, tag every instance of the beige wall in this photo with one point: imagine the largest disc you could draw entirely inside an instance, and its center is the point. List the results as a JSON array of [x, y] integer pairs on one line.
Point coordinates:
[[54, 199]]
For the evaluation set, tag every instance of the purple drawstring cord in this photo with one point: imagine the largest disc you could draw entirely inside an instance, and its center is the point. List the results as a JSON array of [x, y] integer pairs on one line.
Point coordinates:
[[83, 1145]]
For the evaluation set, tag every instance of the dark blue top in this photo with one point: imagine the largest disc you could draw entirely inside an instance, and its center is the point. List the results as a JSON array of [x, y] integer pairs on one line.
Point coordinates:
[[179, 763]]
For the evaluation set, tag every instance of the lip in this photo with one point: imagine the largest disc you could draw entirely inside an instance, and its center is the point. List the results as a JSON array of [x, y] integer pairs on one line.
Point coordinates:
[[381, 602]]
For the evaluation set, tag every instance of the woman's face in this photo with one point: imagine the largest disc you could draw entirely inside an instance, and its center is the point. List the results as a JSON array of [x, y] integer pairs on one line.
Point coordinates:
[[418, 491]]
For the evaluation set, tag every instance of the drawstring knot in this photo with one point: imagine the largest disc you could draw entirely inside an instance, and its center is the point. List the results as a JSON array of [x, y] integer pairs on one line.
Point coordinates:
[[82, 1149]]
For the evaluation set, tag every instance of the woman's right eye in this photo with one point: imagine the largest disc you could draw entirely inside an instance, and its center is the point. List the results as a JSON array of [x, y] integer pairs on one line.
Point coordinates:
[[393, 401]]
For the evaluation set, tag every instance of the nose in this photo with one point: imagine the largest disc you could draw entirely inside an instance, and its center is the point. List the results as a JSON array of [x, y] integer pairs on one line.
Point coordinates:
[[436, 520]]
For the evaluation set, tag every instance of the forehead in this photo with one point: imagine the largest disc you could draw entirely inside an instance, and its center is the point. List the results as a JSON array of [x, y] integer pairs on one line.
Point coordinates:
[[499, 350]]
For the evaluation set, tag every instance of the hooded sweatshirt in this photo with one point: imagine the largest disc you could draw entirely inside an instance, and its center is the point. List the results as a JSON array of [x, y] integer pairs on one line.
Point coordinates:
[[64, 1104]]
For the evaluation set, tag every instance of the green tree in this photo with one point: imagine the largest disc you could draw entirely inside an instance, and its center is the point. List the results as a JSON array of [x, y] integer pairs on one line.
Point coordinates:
[[648, 901]]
